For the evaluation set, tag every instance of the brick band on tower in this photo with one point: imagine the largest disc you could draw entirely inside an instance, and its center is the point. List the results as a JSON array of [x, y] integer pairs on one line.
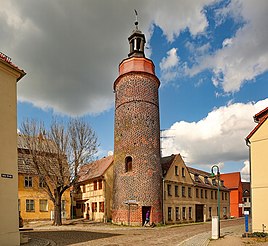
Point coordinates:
[[137, 169]]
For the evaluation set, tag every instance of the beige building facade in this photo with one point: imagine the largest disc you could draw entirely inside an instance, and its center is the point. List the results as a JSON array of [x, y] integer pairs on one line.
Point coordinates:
[[257, 141], [9, 226], [93, 198], [189, 194]]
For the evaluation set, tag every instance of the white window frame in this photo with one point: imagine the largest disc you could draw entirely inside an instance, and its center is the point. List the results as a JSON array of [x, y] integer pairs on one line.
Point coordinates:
[[30, 205], [43, 205]]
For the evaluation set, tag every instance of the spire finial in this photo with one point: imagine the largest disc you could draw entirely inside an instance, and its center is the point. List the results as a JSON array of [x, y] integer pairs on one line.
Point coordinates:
[[136, 22]]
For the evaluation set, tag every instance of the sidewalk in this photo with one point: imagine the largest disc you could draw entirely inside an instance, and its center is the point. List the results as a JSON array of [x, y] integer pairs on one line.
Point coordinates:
[[229, 236], [201, 239]]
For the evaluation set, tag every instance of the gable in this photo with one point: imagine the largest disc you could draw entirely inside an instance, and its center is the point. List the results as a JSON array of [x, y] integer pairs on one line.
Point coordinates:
[[95, 169], [179, 165], [261, 132], [232, 180]]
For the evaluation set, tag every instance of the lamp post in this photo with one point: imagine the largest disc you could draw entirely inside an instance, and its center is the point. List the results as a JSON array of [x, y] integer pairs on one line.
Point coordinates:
[[218, 196]]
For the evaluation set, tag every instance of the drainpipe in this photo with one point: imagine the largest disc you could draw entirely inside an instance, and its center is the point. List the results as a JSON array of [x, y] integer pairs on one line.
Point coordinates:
[[250, 179], [105, 205], [164, 220]]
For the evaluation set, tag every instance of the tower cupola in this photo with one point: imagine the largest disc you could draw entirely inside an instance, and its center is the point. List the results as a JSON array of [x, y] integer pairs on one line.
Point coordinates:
[[136, 41]]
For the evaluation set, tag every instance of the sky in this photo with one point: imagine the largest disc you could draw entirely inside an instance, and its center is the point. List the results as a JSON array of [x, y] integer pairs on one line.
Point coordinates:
[[210, 56]]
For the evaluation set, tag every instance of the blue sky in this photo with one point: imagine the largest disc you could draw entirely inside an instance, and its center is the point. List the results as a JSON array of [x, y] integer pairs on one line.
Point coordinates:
[[210, 56]]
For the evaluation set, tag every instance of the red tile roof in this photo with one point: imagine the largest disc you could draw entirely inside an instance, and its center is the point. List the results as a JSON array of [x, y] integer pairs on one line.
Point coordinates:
[[7, 61], [95, 169], [231, 180], [261, 114]]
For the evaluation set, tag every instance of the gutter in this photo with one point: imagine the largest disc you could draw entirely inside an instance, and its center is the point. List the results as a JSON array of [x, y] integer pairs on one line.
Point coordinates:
[[163, 204], [250, 179]]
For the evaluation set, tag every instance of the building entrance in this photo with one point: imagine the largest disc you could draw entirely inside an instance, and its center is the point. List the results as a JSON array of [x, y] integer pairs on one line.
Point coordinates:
[[199, 213], [146, 210]]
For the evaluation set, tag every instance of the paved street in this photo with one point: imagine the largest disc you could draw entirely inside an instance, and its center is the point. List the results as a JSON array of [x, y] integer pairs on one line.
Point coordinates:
[[88, 233]]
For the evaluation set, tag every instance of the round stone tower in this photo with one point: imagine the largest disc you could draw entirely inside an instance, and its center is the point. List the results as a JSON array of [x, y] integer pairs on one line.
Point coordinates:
[[137, 168]]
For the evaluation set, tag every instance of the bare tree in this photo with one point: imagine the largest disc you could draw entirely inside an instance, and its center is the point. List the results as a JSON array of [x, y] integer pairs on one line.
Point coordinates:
[[57, 153]]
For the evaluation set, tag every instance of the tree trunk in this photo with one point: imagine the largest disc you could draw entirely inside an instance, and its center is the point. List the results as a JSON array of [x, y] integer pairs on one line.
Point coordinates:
[[57, 208]]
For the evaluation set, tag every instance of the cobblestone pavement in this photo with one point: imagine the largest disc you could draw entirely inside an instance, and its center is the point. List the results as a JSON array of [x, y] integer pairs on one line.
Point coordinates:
[[88, 233]]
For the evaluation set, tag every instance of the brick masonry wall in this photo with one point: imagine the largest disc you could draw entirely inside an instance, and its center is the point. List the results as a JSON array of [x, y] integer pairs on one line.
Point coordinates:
[[137, 134]]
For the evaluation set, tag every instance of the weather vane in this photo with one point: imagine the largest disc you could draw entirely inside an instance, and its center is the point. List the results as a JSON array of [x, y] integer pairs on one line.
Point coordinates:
[[136, 22]]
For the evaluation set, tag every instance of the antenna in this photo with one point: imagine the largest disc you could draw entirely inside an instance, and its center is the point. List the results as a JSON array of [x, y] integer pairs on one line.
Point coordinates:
[[163, 137], [136, 22]]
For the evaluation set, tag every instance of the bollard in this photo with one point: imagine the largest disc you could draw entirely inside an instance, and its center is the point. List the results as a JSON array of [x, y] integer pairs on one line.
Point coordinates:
[[215, 230], [246, 213]]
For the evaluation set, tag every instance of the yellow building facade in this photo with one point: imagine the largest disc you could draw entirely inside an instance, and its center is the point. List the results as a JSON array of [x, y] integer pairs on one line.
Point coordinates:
[[190, 195], [33, 200], [93, 199], [9, 226], [34, 203], [257, 141]]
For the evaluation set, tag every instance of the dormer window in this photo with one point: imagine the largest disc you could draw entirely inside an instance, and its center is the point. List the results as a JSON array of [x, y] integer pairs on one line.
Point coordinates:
[[196, 179], [206, 180], [214, 182], [128, 164]]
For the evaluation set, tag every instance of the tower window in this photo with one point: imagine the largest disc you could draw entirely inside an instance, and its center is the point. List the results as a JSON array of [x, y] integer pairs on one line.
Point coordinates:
[[138, 43], [128, 163]]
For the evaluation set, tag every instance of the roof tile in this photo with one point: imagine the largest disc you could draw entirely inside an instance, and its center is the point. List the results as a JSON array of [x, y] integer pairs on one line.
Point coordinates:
[[95, 169]]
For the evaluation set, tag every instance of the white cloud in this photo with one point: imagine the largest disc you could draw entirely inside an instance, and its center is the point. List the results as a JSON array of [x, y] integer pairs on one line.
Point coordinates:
[[170, 61], [245, 172], [227, 42], [71, 49], [110, 152], [175, 16], [169, 66], [244, 56], [217, 138]]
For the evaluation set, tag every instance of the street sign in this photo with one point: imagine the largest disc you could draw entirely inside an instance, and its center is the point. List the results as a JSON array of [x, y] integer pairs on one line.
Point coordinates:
[[6, 176], [131, 202]]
